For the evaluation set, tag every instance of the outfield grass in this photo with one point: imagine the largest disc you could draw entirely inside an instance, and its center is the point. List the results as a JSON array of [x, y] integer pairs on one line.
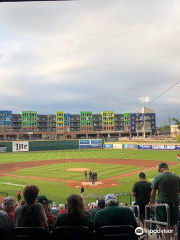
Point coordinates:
[[58, 191], [162, 155]]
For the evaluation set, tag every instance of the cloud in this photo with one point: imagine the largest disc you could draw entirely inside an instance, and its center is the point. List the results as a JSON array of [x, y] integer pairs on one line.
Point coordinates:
[[89, 55]]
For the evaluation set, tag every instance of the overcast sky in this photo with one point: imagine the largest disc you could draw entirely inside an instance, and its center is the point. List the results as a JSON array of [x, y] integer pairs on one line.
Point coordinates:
[[90, 55]]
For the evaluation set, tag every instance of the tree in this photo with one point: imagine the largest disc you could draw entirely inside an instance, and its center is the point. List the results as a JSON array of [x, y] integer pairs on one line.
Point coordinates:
[[177, 122]]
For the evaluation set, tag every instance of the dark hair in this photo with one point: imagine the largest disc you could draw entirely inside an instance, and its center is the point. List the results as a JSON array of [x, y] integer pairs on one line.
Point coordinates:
[[75, 206], [30, 193]]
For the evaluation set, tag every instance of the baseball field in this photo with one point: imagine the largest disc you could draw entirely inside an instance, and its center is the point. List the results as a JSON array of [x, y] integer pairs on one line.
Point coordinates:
[[60, 173]]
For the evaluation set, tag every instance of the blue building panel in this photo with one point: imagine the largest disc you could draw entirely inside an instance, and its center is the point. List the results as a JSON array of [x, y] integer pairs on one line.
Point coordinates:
[[5, 118], [67, 119], [140, 118]]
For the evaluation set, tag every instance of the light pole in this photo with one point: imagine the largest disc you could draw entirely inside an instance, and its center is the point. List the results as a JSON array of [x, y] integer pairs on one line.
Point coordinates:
[[144, 100]]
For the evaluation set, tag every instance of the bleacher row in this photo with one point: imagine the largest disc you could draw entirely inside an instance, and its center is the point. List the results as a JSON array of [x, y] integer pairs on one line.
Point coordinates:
[[71, 233]]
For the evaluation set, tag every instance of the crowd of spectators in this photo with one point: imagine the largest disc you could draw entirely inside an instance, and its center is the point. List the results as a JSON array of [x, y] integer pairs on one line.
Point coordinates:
[[34, 210]]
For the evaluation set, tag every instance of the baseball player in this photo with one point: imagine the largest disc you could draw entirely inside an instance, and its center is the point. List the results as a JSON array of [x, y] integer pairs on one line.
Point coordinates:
[[178, 157]]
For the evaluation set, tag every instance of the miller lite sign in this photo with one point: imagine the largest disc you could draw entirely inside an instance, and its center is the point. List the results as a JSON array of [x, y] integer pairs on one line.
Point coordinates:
[[20, 146]]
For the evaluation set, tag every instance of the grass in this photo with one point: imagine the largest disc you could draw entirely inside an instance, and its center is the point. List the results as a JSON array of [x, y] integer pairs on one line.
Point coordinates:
[[58, 191], [164, 155], [59, 171]]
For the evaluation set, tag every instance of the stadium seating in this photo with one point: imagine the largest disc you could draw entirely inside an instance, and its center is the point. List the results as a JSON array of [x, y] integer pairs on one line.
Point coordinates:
[[124, 232], [29, 233], [3, 235], [72, 233]]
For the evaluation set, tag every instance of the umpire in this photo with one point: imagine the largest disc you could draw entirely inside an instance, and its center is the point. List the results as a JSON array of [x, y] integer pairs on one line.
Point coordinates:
[[142, 190]]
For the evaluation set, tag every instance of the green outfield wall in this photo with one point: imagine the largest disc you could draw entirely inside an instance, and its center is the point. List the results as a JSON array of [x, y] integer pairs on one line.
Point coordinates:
[[8, 146], [53, 145]]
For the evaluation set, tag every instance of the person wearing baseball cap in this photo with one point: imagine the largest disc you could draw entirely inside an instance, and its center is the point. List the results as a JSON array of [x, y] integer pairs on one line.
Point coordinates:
[[6, 215], [113, 214], [45, 202], [141, 191], [168, 185]]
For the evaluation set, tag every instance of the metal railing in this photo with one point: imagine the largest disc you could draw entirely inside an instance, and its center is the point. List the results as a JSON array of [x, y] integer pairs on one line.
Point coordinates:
[[166, 224], [138, 212]]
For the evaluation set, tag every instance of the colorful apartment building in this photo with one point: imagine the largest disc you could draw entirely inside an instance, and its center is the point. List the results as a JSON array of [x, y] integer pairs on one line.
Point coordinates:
[[84, 124]]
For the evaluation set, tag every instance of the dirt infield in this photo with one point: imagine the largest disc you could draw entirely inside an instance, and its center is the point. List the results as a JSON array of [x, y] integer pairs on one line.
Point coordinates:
[[7, 168], [77, 169]]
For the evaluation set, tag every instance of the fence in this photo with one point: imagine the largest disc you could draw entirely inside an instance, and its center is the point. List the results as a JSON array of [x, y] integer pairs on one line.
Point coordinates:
[[149, 221], [122, 197]]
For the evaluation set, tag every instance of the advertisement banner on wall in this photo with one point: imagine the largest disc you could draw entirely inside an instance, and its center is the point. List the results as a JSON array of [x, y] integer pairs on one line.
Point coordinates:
[[128, 146], [166, 147], [20, 146], [107, 146], [84, 141], [88, 144], [2, 149], [117, 146], [144, 146]]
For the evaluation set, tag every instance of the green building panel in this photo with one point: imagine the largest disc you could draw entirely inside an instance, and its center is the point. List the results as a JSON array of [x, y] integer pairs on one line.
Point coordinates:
[[127, 117], [59, 119], [29, 119], [86, 118], [108, 118]]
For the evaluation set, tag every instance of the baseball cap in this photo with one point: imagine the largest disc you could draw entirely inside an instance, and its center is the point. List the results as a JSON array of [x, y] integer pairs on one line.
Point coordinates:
[[142, 175], [43, 199], [9, 202], [101, 203], [110, 196], [162, 165]]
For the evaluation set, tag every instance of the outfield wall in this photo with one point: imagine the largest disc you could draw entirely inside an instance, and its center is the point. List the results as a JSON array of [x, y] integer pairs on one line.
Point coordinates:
[[25, 146], [142, 146]]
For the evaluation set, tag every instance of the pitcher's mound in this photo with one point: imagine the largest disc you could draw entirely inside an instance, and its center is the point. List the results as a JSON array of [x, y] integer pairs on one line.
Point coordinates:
[[78, 169]]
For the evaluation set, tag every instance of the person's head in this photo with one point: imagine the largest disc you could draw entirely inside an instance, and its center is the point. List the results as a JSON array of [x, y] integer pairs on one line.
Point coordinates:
[[110, 199], [126, 204], [9, 204], [163, 167], [61, 207], [30, 194], [44, 201], [23, 203], [75, 206], [101, 203], [142, 176]]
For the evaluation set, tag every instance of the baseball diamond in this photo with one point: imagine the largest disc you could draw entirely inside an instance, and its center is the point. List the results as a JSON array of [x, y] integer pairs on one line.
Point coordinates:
[[58, 173]]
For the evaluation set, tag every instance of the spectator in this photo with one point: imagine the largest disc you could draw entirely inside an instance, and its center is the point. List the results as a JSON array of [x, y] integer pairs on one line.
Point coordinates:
[[62, 208], [75, 215], [45, 202], [141, 190], [114, 215], [6, 215], [54, 207], [168, 186], [31, 214], [101, 204]]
